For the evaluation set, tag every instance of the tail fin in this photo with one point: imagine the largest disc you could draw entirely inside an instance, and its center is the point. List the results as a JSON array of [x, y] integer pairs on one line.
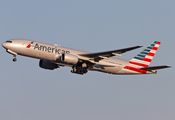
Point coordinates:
[[144, 58]]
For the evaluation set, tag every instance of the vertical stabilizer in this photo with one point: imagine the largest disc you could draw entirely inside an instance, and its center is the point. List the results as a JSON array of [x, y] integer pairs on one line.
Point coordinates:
[[144, 58]]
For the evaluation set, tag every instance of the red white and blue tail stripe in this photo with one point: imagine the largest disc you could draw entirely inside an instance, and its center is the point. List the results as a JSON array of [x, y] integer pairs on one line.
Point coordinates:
[[144, 58]]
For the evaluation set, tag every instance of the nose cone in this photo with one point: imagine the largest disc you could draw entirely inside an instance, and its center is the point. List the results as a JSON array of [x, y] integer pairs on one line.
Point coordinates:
[[4, 45]]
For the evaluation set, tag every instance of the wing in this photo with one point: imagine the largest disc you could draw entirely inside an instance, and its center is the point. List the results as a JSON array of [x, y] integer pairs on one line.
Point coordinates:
[[155, 67], [103, 55]]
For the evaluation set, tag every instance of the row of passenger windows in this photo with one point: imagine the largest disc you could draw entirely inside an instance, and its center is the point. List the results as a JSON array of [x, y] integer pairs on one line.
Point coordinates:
[[113, 63]]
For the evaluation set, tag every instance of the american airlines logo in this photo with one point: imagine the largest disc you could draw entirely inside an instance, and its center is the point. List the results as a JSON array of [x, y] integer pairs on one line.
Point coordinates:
[[28, 46]]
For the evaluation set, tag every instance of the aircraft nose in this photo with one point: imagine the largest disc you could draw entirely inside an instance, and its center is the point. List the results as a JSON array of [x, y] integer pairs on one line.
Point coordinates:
[[5, 45]]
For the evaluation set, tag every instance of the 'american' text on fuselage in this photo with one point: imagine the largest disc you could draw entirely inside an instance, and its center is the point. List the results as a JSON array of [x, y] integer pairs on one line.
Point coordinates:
[[49, 49]]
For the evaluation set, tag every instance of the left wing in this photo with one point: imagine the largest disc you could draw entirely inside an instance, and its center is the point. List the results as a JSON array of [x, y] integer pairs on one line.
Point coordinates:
[[103, 55]]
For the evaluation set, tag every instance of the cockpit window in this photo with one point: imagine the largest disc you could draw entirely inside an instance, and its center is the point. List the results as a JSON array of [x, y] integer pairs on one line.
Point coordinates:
[[9, 41]]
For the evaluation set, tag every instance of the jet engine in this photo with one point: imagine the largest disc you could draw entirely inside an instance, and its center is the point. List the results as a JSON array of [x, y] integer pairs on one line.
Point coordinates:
[[68, 58], [47, 65]]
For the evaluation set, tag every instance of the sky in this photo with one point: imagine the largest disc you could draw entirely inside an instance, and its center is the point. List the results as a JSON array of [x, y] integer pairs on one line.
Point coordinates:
[[28, 92]]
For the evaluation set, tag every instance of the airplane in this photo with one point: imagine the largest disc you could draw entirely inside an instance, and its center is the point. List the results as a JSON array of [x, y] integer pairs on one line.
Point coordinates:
[[54, 56]]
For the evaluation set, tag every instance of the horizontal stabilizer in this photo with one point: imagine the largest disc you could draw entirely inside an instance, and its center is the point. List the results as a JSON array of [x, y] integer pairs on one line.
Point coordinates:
[[155, 67]]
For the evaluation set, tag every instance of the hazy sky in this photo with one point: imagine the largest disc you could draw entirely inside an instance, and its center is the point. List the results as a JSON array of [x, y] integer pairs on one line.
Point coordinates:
[[28, 92]]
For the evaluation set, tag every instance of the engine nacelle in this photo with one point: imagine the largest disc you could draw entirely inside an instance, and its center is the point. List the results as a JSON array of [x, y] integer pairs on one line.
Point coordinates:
[[47, 65], [69, 58]]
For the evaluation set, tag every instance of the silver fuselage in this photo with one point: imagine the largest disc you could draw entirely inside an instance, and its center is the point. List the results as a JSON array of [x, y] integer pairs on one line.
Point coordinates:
[[48, 52]]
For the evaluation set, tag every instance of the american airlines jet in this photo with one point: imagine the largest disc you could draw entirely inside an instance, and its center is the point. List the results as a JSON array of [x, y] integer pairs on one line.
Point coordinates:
[[54, 56]]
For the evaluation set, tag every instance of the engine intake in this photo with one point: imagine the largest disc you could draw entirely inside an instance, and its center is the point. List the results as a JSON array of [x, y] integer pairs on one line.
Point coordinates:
[[47, 65]]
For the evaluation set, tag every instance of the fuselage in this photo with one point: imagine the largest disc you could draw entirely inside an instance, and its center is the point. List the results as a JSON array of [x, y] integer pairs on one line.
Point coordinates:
[[50, 52]]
